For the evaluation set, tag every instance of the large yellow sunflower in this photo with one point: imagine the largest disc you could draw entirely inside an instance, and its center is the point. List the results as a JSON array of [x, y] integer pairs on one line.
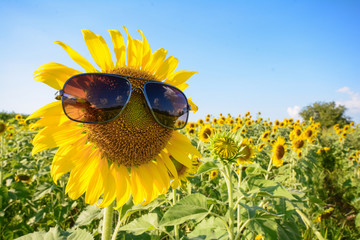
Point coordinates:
[[129, 155], [279, 150]]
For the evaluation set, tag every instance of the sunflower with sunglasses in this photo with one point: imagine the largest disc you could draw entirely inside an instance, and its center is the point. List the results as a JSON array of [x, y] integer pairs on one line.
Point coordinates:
[[116, 128]]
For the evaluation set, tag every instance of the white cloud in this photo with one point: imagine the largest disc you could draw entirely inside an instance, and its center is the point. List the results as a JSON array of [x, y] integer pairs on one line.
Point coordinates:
[[294, 112], [353, 104]]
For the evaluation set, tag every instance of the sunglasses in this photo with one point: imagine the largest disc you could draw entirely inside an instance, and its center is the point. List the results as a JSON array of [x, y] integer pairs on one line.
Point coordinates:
[[101, 97]]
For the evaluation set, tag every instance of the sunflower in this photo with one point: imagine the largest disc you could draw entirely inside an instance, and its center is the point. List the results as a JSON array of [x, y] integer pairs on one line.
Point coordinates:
[[224, 146], [2, 128], [298, 143], [191, 131], [214, 174], [206, 133], [246, 152], [18, 117], [279, 150], [261, 147], [127, 156], [183, 172], [296, 132], [265, 136], [214, 121], [200, 122]]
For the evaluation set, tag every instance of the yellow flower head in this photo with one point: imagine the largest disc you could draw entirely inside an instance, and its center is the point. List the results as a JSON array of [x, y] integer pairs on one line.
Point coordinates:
[[298, 143], [214, 174], [296, 132], [191, 131], [259, 237], [246, 152], [279, 150], [261, 147], [128, 156], [224, 146], [206, 133], [200, 122], [18, 117], [265, 136]]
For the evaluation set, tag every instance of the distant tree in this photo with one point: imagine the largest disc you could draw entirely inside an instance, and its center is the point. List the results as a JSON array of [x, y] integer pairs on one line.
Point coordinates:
[[327, 113]]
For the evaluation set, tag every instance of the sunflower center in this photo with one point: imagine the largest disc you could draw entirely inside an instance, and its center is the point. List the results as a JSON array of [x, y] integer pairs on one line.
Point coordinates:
[[308, 133], [280, 152], [206, 133], [299, 143], [134, 137]]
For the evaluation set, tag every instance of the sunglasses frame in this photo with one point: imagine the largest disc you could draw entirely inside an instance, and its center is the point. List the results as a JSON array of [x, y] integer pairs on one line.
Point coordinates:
[[59, 95]]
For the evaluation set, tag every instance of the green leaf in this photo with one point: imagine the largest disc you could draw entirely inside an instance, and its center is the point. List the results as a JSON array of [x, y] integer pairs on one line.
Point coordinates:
[[43, 189], [52, 234], [142, 224], [190, 207], [80, 234], [357, 221], [90, 213], [211, 228], [268, 227], [207, 167]]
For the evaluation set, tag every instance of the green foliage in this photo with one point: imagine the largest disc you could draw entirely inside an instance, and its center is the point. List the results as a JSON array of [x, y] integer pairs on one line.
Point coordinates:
[[284, 202], [327, 113]]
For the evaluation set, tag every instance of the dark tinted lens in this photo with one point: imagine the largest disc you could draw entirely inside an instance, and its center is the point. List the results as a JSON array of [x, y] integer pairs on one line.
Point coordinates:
[[169, 104], [95, 97]]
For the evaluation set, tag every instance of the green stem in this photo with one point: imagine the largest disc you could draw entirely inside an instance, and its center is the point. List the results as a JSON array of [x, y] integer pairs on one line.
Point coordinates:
[[176, 229], [118, 225], [242, 228], [238, 206], [107, 227], [1, 168], [230, 195], [268, 169]]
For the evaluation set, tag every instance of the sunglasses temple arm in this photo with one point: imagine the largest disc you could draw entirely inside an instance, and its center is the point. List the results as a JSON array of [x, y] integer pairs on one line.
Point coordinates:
[[59, 94]]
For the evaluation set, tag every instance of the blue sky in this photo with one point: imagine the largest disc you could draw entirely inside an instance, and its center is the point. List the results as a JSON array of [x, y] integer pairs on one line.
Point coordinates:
[[273, 57]]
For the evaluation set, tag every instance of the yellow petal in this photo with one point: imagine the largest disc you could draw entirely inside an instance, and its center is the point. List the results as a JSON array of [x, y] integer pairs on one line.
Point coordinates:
[[194, 108], [180, 155], [77, 57], [138, 195], [123, 189], [54, 137], [167, 68], [134, 51], [169, 164], [109, 187], [155, 61], [146, 56], [54, 108], [182, 141], [79, 177], [183, 86], [96, 183], [159, 171], [54, 74], [63, 161], [119, 47], [179, 77], [52, 121], [99, 50]]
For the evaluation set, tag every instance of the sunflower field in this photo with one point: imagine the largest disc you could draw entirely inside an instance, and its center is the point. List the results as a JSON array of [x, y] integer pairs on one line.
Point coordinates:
[[255, 179]]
